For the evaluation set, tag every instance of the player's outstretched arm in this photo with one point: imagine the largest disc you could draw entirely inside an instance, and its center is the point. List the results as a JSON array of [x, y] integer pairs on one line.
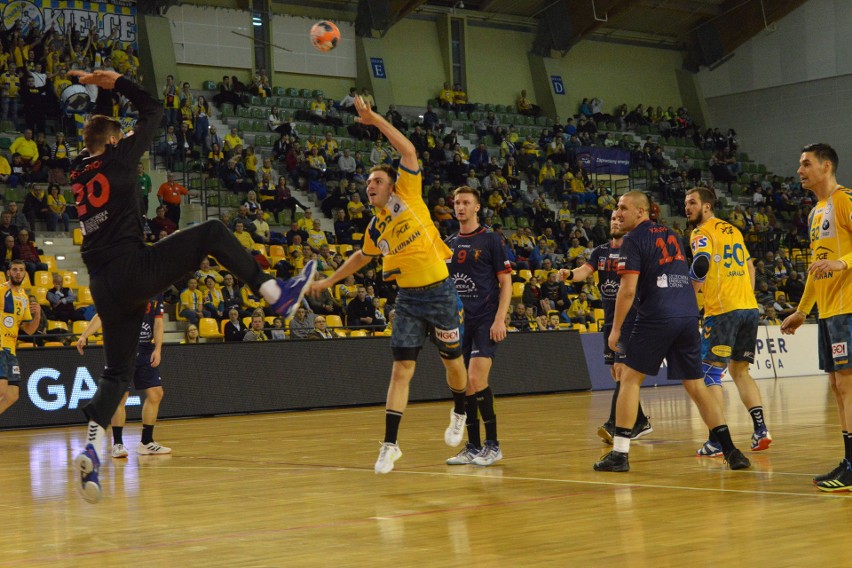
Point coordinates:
[[91, 329], [396, 138]]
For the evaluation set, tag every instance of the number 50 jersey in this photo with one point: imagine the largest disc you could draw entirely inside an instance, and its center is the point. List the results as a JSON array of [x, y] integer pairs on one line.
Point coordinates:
[[727, 285]]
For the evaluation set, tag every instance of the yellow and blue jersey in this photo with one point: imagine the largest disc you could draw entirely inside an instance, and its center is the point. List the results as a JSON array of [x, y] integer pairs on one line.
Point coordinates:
[[16, 310], [830, 225], [404, 234], [727, 284]]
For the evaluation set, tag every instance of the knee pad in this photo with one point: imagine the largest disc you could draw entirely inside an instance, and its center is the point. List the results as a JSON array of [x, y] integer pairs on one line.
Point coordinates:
[[712, 374]]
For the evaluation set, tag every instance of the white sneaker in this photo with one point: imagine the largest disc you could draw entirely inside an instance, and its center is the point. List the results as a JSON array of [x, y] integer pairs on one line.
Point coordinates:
[[455, 431], [151, 449], [465, 456], [489, 454], [388, 454], [119, 451]]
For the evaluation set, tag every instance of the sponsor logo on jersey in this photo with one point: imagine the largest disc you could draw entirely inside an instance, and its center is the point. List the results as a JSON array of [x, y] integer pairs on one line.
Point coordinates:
[[721, 350], [699, 242], [447, 335]]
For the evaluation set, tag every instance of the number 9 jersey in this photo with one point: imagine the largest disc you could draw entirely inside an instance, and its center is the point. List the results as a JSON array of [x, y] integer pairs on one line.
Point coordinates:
[[727, 284]]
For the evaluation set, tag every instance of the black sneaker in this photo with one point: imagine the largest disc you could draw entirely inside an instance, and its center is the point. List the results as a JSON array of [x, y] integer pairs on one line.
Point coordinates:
[[607, 432], [843, 482], [736, 460], [613, 461], [833, 474], [641, 429]]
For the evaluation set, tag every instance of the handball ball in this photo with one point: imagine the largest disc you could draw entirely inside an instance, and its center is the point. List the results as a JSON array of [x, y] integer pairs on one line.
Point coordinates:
[[325, 36]]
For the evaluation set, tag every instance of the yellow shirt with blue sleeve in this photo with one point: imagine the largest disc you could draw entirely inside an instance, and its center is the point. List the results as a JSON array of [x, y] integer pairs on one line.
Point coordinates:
[[727, 284], [16, 310], [403, 233]]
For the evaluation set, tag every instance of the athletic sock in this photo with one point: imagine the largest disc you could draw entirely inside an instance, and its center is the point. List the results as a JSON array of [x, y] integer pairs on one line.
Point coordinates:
[[472, 423], [847, 445], [757, 417], [147, 434], [723, 436], [614, 402], [485, 400], [458, 401], [95, 436], [116, 434], [712, 437], [270, 291], [641, 418], [392, 420], [621, 440]]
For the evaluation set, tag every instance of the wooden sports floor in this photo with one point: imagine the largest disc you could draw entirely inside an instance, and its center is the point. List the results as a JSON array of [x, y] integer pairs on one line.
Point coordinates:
[[298, 489]]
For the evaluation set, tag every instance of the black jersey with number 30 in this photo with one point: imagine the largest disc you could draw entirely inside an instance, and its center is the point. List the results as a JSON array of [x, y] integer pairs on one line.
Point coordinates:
[[105, 186]]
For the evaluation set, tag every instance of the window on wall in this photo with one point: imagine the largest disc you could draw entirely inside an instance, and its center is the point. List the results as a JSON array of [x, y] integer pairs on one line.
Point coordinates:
[[260, 24], [457, 50]]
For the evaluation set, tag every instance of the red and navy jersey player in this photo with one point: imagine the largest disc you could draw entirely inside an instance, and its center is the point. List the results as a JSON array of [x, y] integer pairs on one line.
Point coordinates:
[[654, 271], [483, 279], [124, 273]]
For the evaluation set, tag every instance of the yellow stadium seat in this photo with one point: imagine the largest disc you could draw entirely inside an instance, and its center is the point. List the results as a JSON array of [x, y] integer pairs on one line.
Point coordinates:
[[221, 327], [593, 327], [43, 278], [525, 274], [209, 329], [77, 236], [69, 279], [84, 296], [25, 345], [358, 333], [333, 321], [78, 327], [517, 290], [276, 250], [542, 274], [357, 236], [343, 249], [54, 344], [581, 327], [40, 292], [53, 324], [50, 261], [779, 293]]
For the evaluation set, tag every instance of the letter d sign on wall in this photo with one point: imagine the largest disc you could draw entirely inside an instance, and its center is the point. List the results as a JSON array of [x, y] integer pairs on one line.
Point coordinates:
[[558, 85]]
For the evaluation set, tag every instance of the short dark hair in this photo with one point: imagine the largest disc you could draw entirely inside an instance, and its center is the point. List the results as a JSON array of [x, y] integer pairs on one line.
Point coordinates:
[[704, 195], [467, 189], [98, 129], [823, 152]]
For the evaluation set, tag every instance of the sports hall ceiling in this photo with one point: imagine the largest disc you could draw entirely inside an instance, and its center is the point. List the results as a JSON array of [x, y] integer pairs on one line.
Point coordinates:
[[671, 24]]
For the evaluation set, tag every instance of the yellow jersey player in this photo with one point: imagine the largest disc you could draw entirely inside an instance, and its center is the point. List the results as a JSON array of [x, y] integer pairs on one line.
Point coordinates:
[[724, 271], [414, 256], [17, 310], [830, 286]]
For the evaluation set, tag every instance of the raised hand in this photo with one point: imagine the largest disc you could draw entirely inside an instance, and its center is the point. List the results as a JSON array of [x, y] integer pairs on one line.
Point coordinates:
[[100, 78]]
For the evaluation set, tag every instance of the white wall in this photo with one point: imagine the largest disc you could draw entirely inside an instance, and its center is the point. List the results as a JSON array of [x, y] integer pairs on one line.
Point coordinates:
[[790, 87]]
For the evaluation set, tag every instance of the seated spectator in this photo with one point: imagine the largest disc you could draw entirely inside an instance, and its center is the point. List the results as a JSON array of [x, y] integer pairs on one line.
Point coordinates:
[[347, 103], [256, 332], [357, 212], [7, 228], [249, 302], [234, 329], [763, 294], [190, 335], [446, 98], [61, 300], [346, 164], [26, 251], [231, 298], [519, 320], [554, 295], [359, 311], [394, 117], [782, 307], [232, 143], [27, 148], [460, 98], [57, 209], [793, 287], [324, 303], [35, 205], [320, 330], [8, 247], [301, 324], [262, 233], [343, 228], [192, 303], [245, 238], [770, 316], [5, 171], [277, 332], [580, 311], [213, 301], [161, 223], [526, 107]]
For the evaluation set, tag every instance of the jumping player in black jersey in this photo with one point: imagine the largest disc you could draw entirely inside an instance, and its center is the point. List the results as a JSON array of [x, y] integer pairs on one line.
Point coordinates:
[[123, 272], [604, 259], [653, 269], [483, 278]]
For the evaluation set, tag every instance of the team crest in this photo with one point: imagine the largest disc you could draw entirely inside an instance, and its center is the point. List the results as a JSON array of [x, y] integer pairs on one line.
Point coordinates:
[[476, 254]]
